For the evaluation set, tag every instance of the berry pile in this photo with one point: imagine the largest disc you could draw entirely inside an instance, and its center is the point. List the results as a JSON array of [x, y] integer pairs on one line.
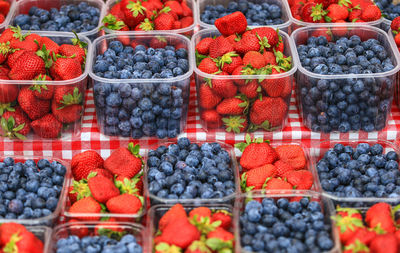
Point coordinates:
[[335, 11], [243, 104], [395, 26], [138, 15], [113, 185], [4, 8], [376, 232], [389, 9], [17, 238], [190, 171], [273, 225], [30, 190], [72, 17], [268, 168], [201, 230], [98, 243], [256, 14], [364, 171]]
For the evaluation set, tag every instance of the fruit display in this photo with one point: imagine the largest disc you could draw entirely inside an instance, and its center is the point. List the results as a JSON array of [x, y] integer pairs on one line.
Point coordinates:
[[5, 7], [155, 104], [186, 171], [191, 229], [258, 13], [270, 224], [31, 191], [18, 238], [390, 10], [106, 188], [353, 171], [277, 167], [243, 76], [150, 15], [368, 230], [346, 78]]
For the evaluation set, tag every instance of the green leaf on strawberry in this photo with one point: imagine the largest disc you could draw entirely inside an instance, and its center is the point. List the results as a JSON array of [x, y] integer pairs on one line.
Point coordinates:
[[204, 225], [217, 244], [71, 99], [110, 233], [136, 8], [112, 23], [199, 57], [45, 55], [6, 107], [226, 58], [10, 129], [234, 123], [164, 247], [241, 146], [318, 12]]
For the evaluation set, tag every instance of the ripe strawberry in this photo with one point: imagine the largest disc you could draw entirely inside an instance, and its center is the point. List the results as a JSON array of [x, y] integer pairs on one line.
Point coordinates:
[[231, 24], [125, 161], [8, 92], [176, 212], [337, 12], [208, 65], [219, 47], [50, 45], [164, 21], [254, 59], [347, 227], [125, 204], [47, 126], [15, 125], [35, 108], [110, 228], [301, 179], [130, 186], [175, 6], [221, 234], [180, 232], [83, 163], [5, 50], [397, 39], [386, 243], [268, 112], [66, 114], [255, 178], [78, 49], [42, 91], [197, 247], [7, 229], [349, 212], [312, 12], [23, 241], [256, 153], [224, 216], [134, 13], [200, 212], [282, 168], [13, 57], [292, 155], [186, 21], [67, 68], [223, 87], [371, 13], [208, 99], [25, 44], [354, 15], [4, 7], [380, 215], [267, 36], [114, 23], [27, 66], [186, 10], [251, 89], [362, 235], [212, 119], [249, 42], [162, 247], [233, 106], [116, 10], [102, 188], [395, 25], [236, 124], [277, 184], [80, 230], [145, 25], [4, 70], [203, 46], [269, 58], [229, 62], [277, 87], [84, 207], [78, 190], [243, 70]]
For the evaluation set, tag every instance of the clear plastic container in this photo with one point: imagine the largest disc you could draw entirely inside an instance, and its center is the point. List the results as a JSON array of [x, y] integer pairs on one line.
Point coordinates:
[[7, 20], [23, 6], [201, 4], [397, 78], [157, 211], [71, 130], [287, 77], [64, 230], [317, 151], [187, 31], [43, 233], [327, 209], [182, 82], [154, 200], [381, 85], [51, 219]]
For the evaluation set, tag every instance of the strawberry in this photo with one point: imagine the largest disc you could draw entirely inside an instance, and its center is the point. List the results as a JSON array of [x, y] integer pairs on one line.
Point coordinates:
[[277, 184], [386, 243], [224, 217], [42, 91], [130, 186], [255, 153], [255, 178], [134, 13], [5, 49], [66, 105], [78, 190], [200, 212], [301, 179], [231, 24], [371, 13], [312, 12], [4, 70], [7, 229], [221, 234], [78, 49], [236, 124], [125, 161], [15, 124], [208, 65], [219, 47], [254, 59], [233, 38], [337, 12], [114, 23], [268, 36], [292, 155], [397, 39], [282, 168], [116, 10], [175, 212], [347, 227], [101, 188], [23, 241], [186, 10], [110, 228], [145, 25], [80, 230], [269, 58], [251, 89], [164, 21], [162, 247], [380, 215], [356, 247], [67, 68], [22, 43], [8, 92], [47, 126], [249, 42], [4, 7], [203, 46], [277, 87], [352, 212], [212, 119], [83, 163], [186, 21], [125, 204], [27, 66], [175, 6], [233, 106], [242, 70], [84, 207], [208, 99], [13, 57], [395, 25], [229, 62], [197, 247], [50, 45], [268, 112], [223, 87], [35, 108], [180, 232], [8, 34], [354, 15]]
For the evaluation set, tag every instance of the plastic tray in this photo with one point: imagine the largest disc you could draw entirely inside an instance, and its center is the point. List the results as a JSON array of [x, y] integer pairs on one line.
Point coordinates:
[[319, 149], [9, 15], [188, 31], [157, 211], [23, 6], [201, 4], [383, 82], [154, 200], [51, 219], [397, 78], [182, 81], [327, 208], [43, 233], [201, 76], [62, 231], [73, 130]]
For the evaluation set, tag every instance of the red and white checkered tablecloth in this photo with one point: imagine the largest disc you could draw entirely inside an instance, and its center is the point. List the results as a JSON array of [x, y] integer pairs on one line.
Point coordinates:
[[92, 139]]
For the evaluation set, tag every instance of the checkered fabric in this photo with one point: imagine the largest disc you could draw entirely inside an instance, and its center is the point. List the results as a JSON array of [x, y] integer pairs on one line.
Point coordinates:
[[91, 138]]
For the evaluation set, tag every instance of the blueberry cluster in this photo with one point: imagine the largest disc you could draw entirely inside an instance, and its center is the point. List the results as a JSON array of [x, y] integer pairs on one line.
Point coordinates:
[[283, 226], [364, 171], [390, 10], [256, 14], [73, 17], [29, 190], [119, 62], [188, 171], [92, 244]]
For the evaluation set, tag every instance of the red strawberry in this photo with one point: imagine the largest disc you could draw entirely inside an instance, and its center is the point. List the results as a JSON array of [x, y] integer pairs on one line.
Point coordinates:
[[354, 14], [242, 70], [23, 241], [229, 62], [114, 23], [212, 119], [187, 11], [224, 216], [164, 21], [176, 212], [200, 212], [186, 21], [380, 215], [208, 99], [256, 153], [267, 36], [371, 13], [207, 65], [130, 186], [347, 227], [102, 188], [83, 163], [362, 235], [80, 230], [125, 204], [277, 87], [5, 50], [268, 112], [223, 87], [254, 59], [312, 12], [7, 229], [134, 13], [42, 90], [66, 114], [4, 7], [50, 45], [351, 212], [292, 155], [35, 108], [15, 125], [282, 168], [125, 161], [8, 92], [27, 66], [219, 47], [116, 10], [221, 234], [395, 25], [203, 46], [277, 184], [197, 247], [175, 6], [84, 208], [231, 24], [78, 49], [47, 126], [269, 57], [249, 42], [255, 178], [180, 233], [251, 89], [78, 190], [22, 43], [13, 57], [337, 12], [301, 179], [397, 39], [386, 243], [232, 106], [236, 124], [145, 25], [67, 68]]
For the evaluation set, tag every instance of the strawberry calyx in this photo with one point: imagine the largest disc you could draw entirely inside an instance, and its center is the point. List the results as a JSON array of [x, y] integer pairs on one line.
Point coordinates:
[[6, 107], [38, 87], [263, 43], [204, 224], [71, 99], [111, 22], [146, 25], [318, 12], [346, 3], [11, 129], [136, 8], [234, 123], [164, 10], [81, 188], [357, 246], [218, 245], [243, 183], [166, 248], [226, 58], [347, 222], [134, 149], [11, 246], [241, 146], [18, 33], [199, 246], [129, 185], [77, 42], [349, 211], [5, 48], [282, 61], [111, 233], [45, 55]]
